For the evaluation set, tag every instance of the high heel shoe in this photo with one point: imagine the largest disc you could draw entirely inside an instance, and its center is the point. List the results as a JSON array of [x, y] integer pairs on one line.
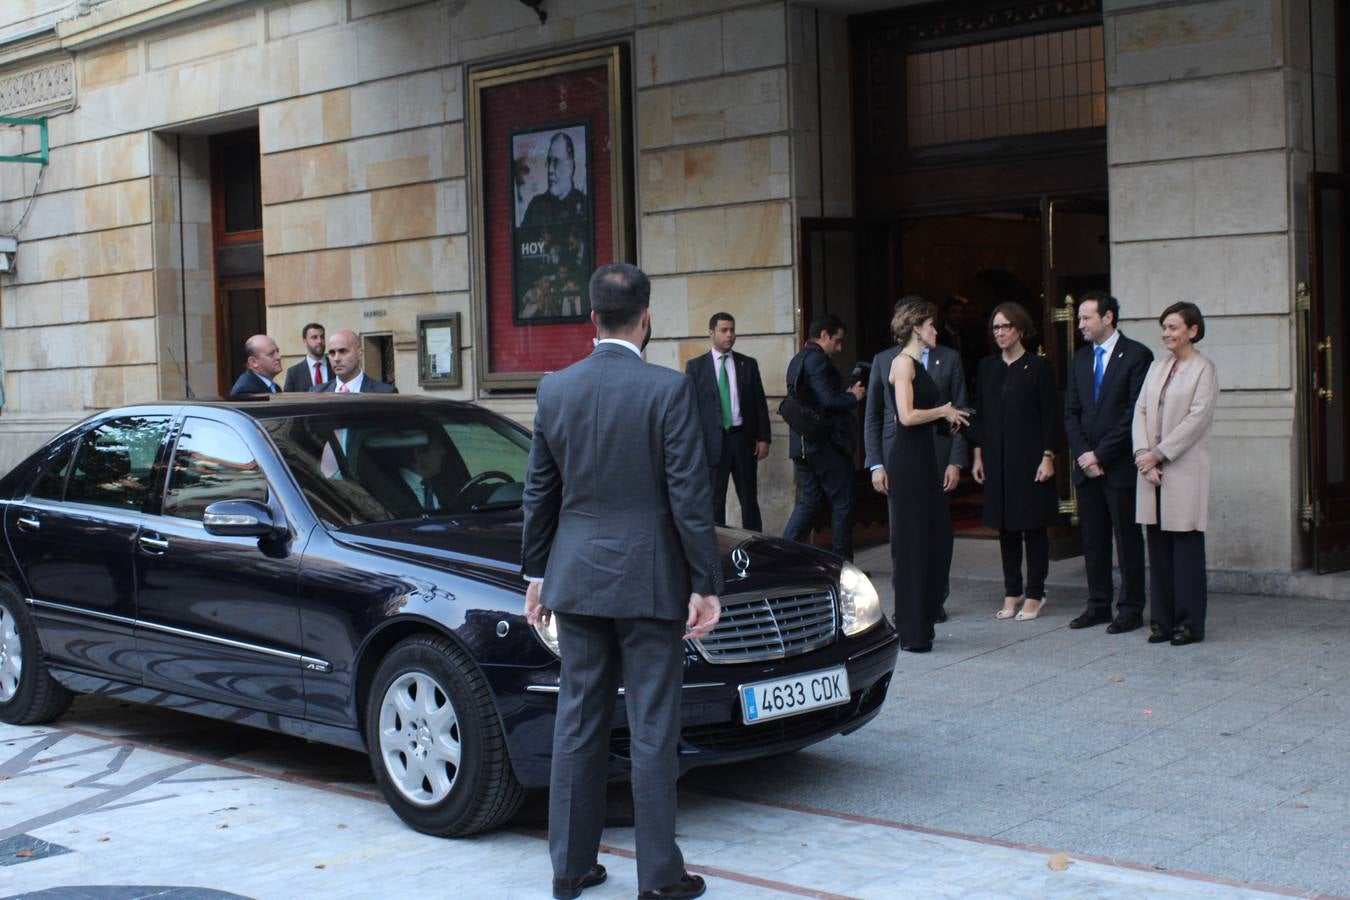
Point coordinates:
[[1025, 616], [1009, 608]]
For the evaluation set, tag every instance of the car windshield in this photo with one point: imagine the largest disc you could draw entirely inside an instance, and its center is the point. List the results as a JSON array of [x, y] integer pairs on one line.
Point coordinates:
[[366, 466]]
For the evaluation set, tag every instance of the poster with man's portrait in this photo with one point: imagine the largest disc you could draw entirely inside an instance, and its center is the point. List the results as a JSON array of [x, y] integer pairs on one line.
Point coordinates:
[[551, 225]]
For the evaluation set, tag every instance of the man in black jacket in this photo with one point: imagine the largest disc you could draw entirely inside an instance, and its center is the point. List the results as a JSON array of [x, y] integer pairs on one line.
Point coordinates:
[[734, 417], [824, 468], [1098, 412]]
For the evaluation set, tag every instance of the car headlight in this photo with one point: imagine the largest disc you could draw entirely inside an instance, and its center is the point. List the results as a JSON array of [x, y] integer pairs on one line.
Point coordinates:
[[859, 603], [548, 635]]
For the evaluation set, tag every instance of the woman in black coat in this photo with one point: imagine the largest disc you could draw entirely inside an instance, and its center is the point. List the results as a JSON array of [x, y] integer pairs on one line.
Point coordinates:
[[1016, 433]]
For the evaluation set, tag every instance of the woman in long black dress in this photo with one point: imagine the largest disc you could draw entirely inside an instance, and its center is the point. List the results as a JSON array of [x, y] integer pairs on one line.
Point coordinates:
[[921, 522], [1016, 433]]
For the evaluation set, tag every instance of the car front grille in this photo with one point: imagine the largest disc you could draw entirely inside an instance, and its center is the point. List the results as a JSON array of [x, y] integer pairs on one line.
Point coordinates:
[[755, 627]]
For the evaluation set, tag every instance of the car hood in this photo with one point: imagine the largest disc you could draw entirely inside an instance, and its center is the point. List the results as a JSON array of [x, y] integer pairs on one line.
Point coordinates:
[[489, 542]]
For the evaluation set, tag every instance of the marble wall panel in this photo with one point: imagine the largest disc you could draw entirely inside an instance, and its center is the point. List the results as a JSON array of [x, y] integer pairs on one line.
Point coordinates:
[[108, 65], [754, 236], [1244, 194], [709, 174], [1242, 275], [1193, 40], [300, 16], [1208, 116], [199, 39], [424, 154], [713, 110], [1251, 353], [86, 345], [436, 265]]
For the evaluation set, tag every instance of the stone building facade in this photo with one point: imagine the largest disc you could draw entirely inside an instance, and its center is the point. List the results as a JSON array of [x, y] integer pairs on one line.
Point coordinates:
[[744, 121]]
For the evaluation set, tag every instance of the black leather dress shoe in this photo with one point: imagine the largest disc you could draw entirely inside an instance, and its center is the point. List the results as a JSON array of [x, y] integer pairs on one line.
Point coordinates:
[[571, 888], [1183, 636], [1157, 634], [1123, 624], [687, 887], [941, 615], [1090, 618]]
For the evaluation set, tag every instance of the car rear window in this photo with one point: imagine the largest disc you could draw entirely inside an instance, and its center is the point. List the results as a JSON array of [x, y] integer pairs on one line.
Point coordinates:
[[369, 466]]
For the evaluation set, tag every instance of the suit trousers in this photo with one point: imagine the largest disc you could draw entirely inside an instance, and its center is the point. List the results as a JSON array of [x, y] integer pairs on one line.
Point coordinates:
[[649, 655], [824, 473], [1180, 592], [739, 464], [1106, 512], [1038, 562]]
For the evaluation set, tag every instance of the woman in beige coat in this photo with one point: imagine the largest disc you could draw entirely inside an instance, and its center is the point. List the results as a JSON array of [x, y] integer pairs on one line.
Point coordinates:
[[1171, 450]]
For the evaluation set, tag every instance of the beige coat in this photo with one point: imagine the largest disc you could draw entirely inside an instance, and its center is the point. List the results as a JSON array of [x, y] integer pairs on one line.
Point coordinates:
[[1188, 413]]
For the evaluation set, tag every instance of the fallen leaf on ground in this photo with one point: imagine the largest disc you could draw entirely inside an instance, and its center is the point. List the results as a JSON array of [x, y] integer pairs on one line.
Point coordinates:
[[320, 866], [223, 825], [1148, 712], [24, 853], [1058, 862], [340, 825], [1117, 679], [1307, 792], [1300, 806], [104, 839], [45, 759]]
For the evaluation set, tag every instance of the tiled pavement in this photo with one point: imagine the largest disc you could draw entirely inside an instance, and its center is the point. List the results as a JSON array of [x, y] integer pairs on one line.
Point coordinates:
[[1008, 744]]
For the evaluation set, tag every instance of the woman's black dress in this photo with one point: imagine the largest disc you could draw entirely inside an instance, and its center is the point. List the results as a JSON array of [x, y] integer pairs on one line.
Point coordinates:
[[921, 523]]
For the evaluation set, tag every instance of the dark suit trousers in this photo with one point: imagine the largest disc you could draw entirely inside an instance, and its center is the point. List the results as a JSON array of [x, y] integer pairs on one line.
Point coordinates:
[[823, 474], [1177, 579], [738, 462], [595, 652], [1106, 512]]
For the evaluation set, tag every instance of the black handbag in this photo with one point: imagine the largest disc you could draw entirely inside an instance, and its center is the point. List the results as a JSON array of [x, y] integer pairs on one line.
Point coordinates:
[[807, 419]]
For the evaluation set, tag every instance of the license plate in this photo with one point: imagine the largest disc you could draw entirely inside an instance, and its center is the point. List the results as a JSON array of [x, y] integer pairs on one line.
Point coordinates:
[[781, 697]]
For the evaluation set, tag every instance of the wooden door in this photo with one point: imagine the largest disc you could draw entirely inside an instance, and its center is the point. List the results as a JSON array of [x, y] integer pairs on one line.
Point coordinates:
[[1077, 259], [1328, 387]]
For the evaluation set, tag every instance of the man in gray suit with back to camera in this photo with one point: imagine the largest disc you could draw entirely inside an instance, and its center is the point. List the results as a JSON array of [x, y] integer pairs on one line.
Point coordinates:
[[620, 550], [943, 365]]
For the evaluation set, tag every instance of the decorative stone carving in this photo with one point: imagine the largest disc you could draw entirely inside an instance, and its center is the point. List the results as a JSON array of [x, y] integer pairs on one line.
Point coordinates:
[[38, 89]]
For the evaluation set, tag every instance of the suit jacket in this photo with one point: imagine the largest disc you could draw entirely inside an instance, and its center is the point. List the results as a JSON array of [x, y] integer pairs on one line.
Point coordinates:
[[1018, 418], [1103, 425], [754, 408], [944, 367], [250, 383], [368, 386], [1186, 417], [822, 385], [617, 500], [300, 377]]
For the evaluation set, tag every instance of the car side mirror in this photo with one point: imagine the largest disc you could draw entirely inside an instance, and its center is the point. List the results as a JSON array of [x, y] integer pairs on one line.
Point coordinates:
[[241, 518]]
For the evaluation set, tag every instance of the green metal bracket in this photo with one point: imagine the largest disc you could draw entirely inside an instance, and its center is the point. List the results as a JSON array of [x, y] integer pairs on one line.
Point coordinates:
[[41, 157]]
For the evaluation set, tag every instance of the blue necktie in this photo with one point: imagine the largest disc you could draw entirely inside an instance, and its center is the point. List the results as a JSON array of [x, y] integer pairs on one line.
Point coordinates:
[[1098, 370], [925, 357]]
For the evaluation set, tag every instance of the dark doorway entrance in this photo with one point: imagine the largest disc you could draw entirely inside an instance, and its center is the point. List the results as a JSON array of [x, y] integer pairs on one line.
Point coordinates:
[[237, 244]]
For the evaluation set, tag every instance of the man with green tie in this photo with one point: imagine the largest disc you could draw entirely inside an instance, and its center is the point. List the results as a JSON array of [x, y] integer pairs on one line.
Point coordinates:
[[734, 417]]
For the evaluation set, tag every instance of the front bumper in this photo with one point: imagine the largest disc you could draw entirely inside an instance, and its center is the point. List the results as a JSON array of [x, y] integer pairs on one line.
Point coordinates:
[[711, 732]]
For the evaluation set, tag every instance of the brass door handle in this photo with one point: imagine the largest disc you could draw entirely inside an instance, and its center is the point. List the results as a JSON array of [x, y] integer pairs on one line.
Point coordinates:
[[1325, 347]]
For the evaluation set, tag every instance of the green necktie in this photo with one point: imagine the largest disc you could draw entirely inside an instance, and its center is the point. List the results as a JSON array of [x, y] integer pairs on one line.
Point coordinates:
[[724, 390]]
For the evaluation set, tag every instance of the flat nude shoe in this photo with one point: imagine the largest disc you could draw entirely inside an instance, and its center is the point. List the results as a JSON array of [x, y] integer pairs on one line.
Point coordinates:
[[1025, 616], [1008, 611]]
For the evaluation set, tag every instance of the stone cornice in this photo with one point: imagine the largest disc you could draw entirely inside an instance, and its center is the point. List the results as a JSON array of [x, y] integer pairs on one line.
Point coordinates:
[[115, 19]]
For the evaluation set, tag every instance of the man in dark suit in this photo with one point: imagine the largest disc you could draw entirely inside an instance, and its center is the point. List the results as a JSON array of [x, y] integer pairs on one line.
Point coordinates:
[[824, 468], [345, 356], [1098, 413], [263, 365], [943, 365], [312, 371], [735, 419], [619, 548]]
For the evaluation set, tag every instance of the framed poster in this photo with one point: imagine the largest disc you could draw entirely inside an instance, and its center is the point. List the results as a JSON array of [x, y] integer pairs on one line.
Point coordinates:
[[438, 351], [550, 169]]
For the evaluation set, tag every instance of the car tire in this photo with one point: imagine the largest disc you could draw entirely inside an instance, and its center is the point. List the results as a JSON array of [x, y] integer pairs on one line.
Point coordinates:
[[435, 741], [28, 692]]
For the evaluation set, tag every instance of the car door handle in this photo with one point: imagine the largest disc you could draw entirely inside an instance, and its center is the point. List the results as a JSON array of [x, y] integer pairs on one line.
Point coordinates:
[[28, 523], [155, 545]]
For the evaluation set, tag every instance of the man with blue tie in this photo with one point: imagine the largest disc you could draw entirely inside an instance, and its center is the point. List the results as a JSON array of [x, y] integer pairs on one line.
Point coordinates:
[[1098, 412], [263, 365]]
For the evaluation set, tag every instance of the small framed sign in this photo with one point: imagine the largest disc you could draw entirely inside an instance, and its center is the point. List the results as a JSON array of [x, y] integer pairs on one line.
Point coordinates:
[[438, 351]]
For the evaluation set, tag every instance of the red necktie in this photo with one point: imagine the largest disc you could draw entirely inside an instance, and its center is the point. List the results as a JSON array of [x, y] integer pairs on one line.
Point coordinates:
[[318, 373]]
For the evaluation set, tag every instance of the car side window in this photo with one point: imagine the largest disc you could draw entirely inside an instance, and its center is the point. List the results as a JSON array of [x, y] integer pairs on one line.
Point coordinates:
[[51, 484], [115, 462], [211, 462]]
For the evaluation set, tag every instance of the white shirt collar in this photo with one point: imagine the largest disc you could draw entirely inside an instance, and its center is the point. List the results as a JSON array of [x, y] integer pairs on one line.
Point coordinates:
[[313, 361], [621, 343], [353, 386], [1110, 343], [267, 381]]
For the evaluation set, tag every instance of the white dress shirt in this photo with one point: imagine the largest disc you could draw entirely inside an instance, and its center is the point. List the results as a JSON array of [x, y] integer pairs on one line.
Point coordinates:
[[1109, 345], [416, 484], [353, 386]]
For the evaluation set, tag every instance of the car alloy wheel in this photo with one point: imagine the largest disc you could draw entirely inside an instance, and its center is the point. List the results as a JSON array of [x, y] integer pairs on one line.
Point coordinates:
[[28, 692], [419, 738], [435, 740], [11, 654]]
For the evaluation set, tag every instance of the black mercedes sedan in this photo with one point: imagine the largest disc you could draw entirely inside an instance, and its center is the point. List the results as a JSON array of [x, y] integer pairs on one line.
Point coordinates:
[[346, 569]]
